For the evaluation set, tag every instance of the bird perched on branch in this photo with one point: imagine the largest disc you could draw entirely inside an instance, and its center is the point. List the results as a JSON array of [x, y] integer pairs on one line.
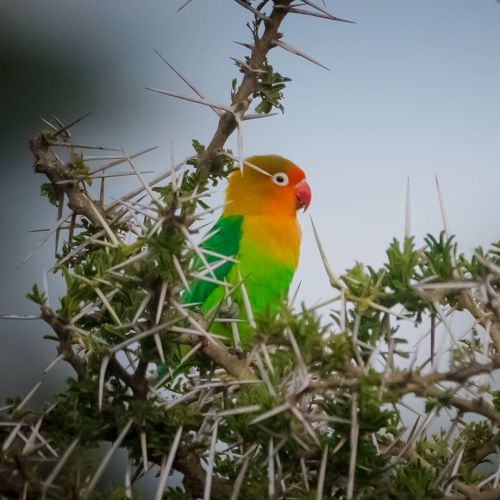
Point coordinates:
[[254, 246]]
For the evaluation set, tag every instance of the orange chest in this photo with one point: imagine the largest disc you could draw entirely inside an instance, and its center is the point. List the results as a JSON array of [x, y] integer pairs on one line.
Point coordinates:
[[277, 238]]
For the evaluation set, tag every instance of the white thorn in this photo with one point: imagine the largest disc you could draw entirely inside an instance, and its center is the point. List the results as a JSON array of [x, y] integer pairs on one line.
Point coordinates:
[[354, 435], [167, 465], [144, 451], [58, 467], [246, 302], [211, 459], [290, 48], [442, 207], [107, 458], [218, 112], [102, 379], [204, 102], [270, 469], [322, 473], [253, 10], [103, 222], [323, 11]]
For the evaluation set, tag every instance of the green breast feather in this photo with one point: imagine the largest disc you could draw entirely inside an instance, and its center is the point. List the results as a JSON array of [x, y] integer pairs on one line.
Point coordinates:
[[225, 241], [266, 280]]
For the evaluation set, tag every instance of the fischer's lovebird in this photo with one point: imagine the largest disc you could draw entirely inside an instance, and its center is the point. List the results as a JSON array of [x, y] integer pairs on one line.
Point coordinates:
[[258, 228]]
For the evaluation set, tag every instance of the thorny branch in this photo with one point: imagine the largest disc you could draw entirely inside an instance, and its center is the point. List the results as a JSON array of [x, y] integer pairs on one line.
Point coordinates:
[[80, 204], [237, 365], [65, 344], [406, 382], [468, 492], [294, 391], [137, 384], [56, 171], [249, 85], [489, 321]]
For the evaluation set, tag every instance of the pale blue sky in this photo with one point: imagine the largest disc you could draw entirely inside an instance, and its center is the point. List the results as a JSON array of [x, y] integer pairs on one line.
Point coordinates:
[[413, 91]]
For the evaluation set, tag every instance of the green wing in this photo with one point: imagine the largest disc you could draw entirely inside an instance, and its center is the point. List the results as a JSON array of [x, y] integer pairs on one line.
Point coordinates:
[[225, 241]]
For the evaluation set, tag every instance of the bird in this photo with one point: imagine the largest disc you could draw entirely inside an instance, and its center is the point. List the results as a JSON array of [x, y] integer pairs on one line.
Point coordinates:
[[256, 241]]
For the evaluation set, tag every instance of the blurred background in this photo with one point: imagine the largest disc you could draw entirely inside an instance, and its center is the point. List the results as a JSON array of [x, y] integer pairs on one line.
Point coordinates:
[[413, 92]]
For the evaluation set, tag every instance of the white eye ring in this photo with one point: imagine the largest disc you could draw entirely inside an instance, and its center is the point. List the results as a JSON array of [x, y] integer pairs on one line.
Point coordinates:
[[280, 179]]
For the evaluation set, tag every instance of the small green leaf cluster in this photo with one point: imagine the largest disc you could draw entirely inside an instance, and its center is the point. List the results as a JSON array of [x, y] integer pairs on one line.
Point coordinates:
[[37, 296], [52, 192], [270, 88]]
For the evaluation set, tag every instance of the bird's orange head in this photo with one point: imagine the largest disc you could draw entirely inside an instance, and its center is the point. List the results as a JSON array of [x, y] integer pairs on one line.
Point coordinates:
[[268, 185]]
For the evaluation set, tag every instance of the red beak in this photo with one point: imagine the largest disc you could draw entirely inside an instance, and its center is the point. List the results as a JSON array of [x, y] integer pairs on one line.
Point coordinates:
[[302, 195]]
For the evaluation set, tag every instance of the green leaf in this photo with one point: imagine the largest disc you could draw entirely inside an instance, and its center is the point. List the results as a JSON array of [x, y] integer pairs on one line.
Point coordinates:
[[270, 90], [52, 192], [36, 296]]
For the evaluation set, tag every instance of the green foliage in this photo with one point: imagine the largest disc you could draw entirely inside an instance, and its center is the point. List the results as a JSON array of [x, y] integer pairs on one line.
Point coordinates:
[[435, 450], [80, 170], [37, 296], [414, 481], [402, 270], [496, 399], [220, 168], [270, 90], [441, 255], [473, 436], [52, 192]]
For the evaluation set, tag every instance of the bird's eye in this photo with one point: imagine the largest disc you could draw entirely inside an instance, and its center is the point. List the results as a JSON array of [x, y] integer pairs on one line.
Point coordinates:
[[280, 179]]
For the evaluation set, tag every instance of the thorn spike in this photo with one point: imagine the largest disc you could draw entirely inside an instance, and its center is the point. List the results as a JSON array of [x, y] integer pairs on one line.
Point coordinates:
[[293, 50]]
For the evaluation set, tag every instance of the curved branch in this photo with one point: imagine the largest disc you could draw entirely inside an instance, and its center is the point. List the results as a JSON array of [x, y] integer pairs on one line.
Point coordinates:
[[56, 172], [249, 85], [65, 348], [235, 365]]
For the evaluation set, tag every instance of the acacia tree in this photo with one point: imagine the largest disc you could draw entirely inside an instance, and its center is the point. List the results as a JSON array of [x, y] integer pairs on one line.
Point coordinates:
[[312, 408]]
